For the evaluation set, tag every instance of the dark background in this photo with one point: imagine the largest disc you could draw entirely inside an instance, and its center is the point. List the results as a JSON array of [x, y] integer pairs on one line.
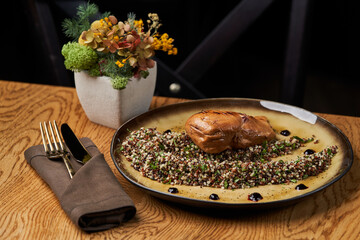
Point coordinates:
[[253, 67]]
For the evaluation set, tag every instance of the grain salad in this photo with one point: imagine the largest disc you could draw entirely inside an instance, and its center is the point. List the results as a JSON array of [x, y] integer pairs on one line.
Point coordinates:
[[172, 158]]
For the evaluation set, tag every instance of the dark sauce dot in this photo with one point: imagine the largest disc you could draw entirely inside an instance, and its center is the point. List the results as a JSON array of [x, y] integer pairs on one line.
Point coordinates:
[[167, 131], [214, 197], [255, 197], [309, 152], [173, 190], [285, 132], [301, 187]]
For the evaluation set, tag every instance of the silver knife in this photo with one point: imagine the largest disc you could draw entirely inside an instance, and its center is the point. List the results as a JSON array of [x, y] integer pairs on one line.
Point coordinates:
[[74, 145]]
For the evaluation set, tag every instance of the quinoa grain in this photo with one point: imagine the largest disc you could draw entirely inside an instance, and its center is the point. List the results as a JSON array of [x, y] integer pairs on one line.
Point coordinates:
[[172, 158]]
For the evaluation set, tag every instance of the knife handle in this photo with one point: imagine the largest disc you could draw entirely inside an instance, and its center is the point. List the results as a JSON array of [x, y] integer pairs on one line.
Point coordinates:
[[68, 165]]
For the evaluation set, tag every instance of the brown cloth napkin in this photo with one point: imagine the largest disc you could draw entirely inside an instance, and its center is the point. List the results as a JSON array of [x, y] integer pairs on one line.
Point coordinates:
[[93, 199]]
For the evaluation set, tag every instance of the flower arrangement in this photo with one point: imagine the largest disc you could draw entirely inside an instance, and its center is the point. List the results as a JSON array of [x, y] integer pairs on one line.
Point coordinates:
[[108, 47]]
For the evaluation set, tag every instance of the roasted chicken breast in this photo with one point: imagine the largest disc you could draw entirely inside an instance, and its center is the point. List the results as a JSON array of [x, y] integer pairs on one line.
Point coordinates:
[[215, 131]]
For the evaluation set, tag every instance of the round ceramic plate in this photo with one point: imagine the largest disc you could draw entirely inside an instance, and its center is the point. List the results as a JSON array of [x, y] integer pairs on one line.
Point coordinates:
[[298, 121]]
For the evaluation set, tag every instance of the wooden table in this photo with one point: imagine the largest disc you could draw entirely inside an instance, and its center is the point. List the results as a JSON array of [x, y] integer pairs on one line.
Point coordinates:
[[29, 210]]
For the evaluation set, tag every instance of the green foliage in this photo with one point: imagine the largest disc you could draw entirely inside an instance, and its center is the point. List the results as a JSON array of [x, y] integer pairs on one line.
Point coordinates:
[[74, 27], [120, 76], [118, 82], [108, 66], [126, 70], [144, 74], [94, 71], [78, 57]]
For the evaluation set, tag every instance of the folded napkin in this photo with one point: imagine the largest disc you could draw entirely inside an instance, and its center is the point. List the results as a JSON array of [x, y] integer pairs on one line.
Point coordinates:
[[93, 199]]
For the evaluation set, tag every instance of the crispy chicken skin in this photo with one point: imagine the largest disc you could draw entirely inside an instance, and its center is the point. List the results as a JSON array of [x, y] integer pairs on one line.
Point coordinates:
[[215, 131]]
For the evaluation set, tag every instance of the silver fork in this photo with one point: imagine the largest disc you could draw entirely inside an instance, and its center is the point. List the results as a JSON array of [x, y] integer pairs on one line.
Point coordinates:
[[59, 150]]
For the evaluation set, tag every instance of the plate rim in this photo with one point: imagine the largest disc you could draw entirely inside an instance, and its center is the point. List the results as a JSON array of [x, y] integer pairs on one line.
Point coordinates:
[[207, 203]]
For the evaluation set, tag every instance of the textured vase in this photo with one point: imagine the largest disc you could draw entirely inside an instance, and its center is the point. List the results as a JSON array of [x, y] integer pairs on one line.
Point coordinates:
[[110, 107]]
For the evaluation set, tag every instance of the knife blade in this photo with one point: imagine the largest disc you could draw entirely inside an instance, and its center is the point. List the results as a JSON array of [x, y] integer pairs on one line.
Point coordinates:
[[74, 145]]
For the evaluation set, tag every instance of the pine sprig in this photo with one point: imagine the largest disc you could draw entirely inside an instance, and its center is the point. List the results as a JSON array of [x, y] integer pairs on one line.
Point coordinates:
[[74, 27], [105, 14], [131, 18], [86, 10]]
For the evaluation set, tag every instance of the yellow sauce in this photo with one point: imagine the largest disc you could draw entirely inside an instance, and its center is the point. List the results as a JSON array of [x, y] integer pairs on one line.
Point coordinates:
[[279, 121]]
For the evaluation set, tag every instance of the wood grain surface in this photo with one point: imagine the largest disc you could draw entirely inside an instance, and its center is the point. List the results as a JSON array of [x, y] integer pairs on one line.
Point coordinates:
[[29, 210]]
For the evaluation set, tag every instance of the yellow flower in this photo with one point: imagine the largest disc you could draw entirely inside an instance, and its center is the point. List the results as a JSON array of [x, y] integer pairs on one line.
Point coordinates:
[[164, 36], [164, 43], [120, 64], [125, 59], [156, 44], [173, 51], [97, 34], [139, 24], [108, 21]]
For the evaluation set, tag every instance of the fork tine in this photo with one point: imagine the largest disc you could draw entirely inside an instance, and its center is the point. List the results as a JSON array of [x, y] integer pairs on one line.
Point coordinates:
[[48, 138], [54, 154], [43, 138], [58, 136], [53, 137]]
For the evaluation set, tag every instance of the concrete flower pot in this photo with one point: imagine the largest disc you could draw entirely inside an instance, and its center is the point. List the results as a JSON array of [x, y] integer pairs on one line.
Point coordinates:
[[110, 107]]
